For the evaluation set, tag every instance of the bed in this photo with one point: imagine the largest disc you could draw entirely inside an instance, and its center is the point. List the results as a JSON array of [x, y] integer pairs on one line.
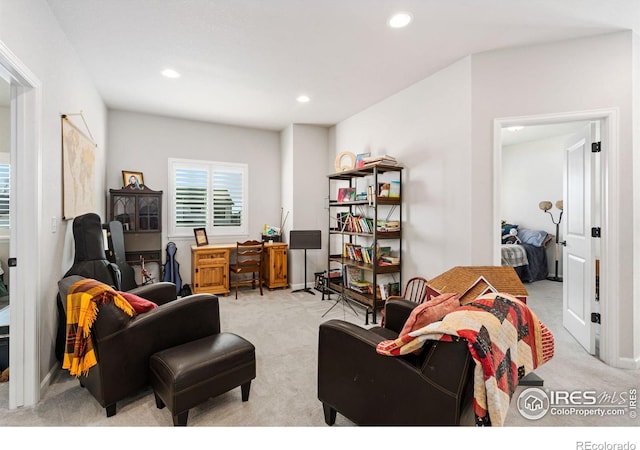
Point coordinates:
[[526, 251]]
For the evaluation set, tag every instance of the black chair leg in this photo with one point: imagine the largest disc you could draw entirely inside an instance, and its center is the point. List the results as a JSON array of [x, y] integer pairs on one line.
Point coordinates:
[[329, 414], [180, 420], [111, 410], [245, 390], [159, 403]]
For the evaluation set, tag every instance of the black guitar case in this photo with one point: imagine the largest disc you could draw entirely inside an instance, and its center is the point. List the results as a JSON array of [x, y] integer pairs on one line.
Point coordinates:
[[90, 261], [172, 267], [116, 246]]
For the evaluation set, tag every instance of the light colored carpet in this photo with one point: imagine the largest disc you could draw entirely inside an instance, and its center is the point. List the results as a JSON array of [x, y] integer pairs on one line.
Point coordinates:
[[284, 328]]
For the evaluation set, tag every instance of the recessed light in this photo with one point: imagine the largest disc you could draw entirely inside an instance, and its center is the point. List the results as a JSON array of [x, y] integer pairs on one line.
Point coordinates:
[[400, 20], [170, 73], [303, 99]]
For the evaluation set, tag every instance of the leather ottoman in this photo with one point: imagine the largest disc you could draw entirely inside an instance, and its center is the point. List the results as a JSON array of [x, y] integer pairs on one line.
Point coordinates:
[[188, 374]]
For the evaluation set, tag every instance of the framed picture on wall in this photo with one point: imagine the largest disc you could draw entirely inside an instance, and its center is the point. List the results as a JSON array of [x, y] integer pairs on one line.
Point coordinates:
[[201, 236]]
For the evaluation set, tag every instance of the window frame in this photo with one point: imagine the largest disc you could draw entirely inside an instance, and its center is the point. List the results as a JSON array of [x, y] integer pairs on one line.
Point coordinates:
[[175, 231]]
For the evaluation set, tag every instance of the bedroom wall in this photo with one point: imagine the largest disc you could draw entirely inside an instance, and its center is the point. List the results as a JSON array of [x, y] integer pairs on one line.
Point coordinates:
[[145, 142], [532, 172], [427, 128], [30, 31]]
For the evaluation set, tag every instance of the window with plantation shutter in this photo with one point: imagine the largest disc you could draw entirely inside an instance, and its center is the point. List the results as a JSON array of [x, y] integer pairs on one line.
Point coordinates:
[[207, 194], [5, 197]]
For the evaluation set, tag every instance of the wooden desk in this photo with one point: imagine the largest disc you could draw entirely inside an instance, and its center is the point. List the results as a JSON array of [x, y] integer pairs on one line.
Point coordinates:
[[210, 267]]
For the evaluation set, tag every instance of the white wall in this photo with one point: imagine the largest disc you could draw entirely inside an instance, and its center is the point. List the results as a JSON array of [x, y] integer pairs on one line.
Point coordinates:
[[30, 31], [309, 146], [553, 78], [427, 128], [144, 143]]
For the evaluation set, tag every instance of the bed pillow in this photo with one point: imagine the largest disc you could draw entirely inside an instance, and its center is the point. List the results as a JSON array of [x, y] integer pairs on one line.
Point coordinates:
[[532, 237], [430, 311], [507, 227]]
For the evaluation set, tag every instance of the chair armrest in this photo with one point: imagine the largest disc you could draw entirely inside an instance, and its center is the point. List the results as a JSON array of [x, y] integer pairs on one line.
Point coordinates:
[[159, 293], [397, 311]]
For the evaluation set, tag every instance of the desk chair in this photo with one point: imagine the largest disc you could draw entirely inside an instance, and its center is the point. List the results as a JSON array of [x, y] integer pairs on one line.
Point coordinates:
[[249, 255]]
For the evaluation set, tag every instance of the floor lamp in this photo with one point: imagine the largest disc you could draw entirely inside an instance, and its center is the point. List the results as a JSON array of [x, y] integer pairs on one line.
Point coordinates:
[[546, 207]]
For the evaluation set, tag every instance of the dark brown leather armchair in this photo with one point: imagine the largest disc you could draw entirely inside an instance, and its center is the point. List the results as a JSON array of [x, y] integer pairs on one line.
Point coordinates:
[[431, 388], [124, 344]]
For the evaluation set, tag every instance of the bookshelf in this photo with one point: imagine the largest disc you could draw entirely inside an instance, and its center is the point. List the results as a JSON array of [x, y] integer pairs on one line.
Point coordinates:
[[365, 234]]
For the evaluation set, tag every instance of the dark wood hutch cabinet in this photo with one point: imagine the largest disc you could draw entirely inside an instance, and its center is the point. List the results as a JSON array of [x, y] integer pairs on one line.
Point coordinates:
[[140, 212]]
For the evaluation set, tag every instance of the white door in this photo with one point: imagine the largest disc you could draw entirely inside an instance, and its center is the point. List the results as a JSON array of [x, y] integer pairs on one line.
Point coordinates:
[[578, 255]]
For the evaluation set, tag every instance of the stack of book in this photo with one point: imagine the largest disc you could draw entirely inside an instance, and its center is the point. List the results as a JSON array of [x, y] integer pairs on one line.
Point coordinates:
[[388, 225], [384, 159], [354, 279], [389, 260]]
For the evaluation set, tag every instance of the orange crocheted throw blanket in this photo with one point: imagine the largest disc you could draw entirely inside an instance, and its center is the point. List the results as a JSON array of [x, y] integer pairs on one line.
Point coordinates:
[[83, 300]]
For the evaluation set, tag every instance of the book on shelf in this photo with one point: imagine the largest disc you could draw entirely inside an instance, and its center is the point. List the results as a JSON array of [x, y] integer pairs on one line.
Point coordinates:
[[346, 194], [388, 225], [360, 159], [394, 189], [382, 159], [354, 224], [390, 259]]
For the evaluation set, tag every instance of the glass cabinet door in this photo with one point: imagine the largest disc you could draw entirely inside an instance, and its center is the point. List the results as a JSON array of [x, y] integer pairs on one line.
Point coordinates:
[[124, 211], [148, 213]]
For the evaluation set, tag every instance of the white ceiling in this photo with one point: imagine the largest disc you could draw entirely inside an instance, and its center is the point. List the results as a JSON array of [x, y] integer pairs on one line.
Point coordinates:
[[244, 62]]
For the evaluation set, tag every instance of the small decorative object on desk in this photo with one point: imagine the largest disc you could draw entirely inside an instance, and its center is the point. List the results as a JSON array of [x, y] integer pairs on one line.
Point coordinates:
[[132, 180], [271, 234]]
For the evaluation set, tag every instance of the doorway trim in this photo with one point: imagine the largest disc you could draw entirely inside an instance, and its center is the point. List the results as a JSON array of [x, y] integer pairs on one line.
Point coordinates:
[[609, 278], [26, 157]]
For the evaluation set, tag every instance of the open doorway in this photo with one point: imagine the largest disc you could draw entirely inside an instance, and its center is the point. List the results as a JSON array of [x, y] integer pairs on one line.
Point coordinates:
[[5, 191], [24, 241], [548, 185]]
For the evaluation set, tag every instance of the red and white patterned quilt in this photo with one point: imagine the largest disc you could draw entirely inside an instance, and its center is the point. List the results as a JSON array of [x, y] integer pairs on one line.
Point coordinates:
[[506, 340]]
